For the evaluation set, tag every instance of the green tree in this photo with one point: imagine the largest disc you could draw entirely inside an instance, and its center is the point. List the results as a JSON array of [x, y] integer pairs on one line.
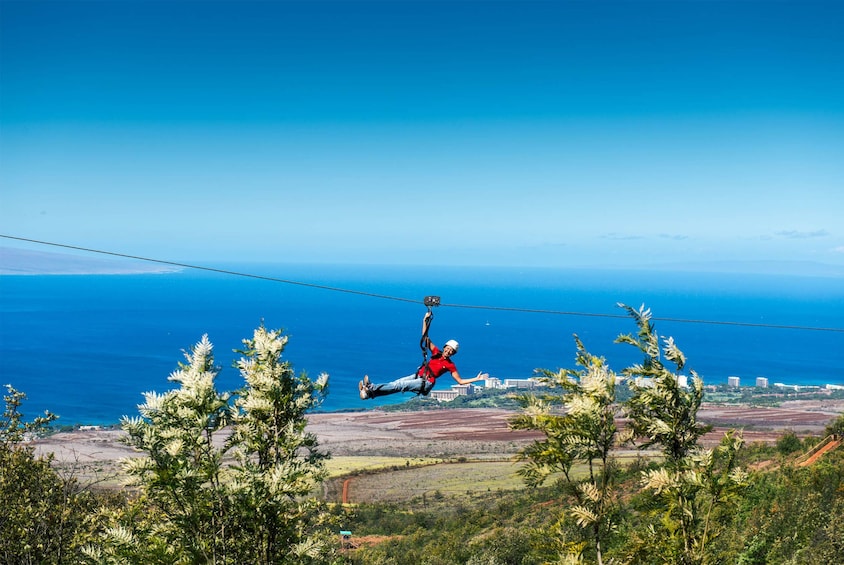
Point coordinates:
[[43, 513], [795, 514], [662, 412], [180, 474], [788, 443], [279, 462], [584, 433], [694, 488], [224, 480], [13, 429], [836, 427]]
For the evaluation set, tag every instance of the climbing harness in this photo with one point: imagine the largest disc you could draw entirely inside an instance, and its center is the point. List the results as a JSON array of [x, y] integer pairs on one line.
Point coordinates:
[[424, 371]]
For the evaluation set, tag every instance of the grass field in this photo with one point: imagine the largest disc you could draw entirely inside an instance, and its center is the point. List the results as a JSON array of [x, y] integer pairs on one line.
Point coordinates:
[[439, 480], [383, 481], [351, 464]]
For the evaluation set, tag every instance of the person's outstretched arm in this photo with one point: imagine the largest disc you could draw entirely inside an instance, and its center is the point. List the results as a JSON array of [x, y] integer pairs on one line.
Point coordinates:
[[481, 376]]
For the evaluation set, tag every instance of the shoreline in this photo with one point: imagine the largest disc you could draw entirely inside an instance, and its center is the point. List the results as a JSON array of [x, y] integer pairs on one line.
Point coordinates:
[[836, 406], [28, 262]]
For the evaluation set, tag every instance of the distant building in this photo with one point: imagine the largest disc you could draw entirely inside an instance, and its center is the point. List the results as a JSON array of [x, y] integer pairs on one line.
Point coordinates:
[[443, 395], [493, 382], [733, 382], [799, 387], [520, 383], [648, 382], [463, 390], [643, 382], [762, 382], [452, 393]]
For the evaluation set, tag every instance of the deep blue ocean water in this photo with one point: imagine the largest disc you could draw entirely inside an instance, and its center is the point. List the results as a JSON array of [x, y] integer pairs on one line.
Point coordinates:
[[87, 346]]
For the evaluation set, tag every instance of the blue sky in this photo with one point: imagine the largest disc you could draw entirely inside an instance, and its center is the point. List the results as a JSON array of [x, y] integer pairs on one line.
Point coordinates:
[[505, 133]]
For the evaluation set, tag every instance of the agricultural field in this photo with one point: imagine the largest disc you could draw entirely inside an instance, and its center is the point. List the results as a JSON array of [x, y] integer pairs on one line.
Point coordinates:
[[472, 447]]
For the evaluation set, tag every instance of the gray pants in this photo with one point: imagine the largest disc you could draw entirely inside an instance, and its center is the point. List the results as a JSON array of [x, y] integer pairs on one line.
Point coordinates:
[[410, 383]]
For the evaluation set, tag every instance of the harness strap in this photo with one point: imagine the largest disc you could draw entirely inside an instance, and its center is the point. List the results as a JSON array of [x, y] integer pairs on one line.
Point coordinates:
[[430, 301], [423, 345]]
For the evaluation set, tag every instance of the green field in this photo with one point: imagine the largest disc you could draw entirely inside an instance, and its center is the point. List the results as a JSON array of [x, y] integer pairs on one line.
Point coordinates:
[[347, 465], [384, 481], [439, 480]]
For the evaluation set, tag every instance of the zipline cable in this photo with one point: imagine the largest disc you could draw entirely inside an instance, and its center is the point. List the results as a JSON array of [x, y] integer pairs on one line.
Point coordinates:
[[412, 301]]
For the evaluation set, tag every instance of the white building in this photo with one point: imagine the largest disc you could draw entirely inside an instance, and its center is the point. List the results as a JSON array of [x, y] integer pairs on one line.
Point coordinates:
[[463, 390], [762, 382], [520, 383], [452, 393], [443, 395], [493, 382], [733, 382], [648, 382]]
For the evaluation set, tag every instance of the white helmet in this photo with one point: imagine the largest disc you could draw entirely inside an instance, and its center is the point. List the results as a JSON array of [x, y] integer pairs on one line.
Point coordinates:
[[452, 344]]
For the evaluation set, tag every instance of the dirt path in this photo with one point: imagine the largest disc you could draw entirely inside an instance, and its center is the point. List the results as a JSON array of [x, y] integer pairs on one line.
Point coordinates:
[[819, 453], [346, 490]]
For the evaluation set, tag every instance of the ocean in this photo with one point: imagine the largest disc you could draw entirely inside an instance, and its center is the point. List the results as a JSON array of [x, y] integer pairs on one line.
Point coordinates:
[[86, 347]]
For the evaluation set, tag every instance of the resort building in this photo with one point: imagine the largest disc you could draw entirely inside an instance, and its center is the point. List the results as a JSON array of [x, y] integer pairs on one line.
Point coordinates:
[[463, 390], [521, 383], [493, 382], [797, 387], [647, 382], [443, 395], [490, 383], [762, 382], [452, 393], [733, 382]]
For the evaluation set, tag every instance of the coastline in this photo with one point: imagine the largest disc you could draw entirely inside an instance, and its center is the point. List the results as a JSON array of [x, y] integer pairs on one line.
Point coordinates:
[[113, 337], [24, 262]]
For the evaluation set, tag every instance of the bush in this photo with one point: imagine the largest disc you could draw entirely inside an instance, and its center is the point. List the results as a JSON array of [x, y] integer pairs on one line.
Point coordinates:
[[42, 513]]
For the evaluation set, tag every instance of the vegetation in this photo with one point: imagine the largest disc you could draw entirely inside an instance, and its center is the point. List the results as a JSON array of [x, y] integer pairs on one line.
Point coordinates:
[[235, 499], [786, 515], [234, 477], [690, 494], [45, 516], [586, 432]]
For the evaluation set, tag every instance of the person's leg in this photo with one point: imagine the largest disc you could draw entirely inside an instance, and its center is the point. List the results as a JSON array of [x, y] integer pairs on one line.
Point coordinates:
[[410, 383]]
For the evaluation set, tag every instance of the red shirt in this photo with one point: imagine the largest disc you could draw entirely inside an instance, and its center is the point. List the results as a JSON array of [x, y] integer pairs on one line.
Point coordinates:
[[438, 365]]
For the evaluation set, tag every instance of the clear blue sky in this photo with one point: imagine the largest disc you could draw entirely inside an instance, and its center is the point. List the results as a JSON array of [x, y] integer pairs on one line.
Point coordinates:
[[542, 133]]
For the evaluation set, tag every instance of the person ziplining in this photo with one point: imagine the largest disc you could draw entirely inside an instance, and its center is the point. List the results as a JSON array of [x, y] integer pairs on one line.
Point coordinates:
[[423, 380]]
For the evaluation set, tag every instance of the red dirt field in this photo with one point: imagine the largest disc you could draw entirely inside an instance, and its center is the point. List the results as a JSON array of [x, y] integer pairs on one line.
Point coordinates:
[[766, 425]]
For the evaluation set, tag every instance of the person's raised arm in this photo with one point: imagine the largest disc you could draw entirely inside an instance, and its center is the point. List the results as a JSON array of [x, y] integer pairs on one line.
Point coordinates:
[[426, 323]]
